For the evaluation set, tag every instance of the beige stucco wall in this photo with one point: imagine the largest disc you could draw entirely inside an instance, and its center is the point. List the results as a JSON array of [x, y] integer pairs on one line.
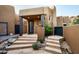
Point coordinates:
[[36, 24], [54, 17], [24, 26], [59, 21], [71, 35], [32, 11], [7, 14], [63, 20], [17, 19], [50, 15], [40, 32]]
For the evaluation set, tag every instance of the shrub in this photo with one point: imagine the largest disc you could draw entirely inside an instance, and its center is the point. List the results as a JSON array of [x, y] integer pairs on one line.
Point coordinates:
[[41, 40], [48, 30], [76, 21], [36, 46]]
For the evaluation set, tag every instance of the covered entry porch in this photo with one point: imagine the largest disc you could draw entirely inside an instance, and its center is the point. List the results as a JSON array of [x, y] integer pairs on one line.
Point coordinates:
[[33, 23]]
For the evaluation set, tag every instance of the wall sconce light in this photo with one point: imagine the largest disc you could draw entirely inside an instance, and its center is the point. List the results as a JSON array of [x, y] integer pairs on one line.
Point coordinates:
[[38, 16], [28, 17]]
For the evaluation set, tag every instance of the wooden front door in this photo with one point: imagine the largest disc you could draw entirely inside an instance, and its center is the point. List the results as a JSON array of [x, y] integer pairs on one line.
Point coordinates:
[[31, 27]]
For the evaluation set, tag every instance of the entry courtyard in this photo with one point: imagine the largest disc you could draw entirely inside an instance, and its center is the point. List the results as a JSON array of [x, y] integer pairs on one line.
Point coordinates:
[[38, 30]]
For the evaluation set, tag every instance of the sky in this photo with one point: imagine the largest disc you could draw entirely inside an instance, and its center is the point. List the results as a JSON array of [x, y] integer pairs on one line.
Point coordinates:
[[61, 10], [67, 10]]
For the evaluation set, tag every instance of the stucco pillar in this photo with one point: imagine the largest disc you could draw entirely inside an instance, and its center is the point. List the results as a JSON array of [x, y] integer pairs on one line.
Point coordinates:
[[42, 20], [21, 25], [41, 31]]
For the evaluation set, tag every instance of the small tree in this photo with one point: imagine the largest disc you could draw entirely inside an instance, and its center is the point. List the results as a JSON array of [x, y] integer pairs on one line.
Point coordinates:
[[48, 30]]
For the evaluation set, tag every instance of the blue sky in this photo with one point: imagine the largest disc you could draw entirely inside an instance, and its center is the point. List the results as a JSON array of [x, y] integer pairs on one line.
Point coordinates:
[[61, 10], [67, 10]]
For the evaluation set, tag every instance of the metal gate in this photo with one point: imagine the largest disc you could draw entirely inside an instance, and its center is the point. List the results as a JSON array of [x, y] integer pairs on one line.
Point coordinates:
[[58, 31]]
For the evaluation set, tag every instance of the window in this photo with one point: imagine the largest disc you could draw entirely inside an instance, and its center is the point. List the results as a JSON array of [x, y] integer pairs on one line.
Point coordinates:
[[50, 18], [3, 28]]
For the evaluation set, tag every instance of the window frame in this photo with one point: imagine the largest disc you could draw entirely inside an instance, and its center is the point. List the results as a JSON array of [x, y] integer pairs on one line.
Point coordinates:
[[6, 28]]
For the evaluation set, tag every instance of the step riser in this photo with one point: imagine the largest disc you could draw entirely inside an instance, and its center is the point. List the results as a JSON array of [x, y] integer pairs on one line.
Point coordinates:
[[27, 37], [53, 46], [52, 39], [53, 42], [25, 40], [24, 43], [16, 48], [53, 51]]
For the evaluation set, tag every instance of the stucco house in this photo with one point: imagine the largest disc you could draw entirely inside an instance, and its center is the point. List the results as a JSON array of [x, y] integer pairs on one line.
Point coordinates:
[[30, 20], [36, 18]]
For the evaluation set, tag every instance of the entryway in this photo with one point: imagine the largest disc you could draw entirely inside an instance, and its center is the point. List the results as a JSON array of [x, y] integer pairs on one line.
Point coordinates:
[[30, 26]]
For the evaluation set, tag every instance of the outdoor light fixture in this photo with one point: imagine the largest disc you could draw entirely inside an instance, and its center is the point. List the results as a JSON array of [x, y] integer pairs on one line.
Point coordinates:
[[28, 17], [38, 16]]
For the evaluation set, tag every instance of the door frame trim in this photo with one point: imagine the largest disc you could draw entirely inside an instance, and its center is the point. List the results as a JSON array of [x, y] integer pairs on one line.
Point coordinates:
[[29, 26]]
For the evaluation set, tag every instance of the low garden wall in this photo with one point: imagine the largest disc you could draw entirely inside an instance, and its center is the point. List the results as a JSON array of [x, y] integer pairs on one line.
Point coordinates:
[[71, 35]]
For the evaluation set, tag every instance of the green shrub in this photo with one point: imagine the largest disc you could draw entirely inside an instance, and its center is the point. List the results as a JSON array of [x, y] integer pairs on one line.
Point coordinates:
[[41, 40], [36, 46], [76, 21], [48, 30]]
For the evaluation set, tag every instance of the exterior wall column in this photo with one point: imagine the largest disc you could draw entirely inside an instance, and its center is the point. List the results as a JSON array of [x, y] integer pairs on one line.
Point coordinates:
[[41, 33], [21, 25], [42, 20]]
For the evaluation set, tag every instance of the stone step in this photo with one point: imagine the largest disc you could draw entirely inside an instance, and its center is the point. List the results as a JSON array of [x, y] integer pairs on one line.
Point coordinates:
[[53, 45], [53, 50], [15, 47], [52, 41], [24, 42], [33, 35], [27, 38], [55, 37]]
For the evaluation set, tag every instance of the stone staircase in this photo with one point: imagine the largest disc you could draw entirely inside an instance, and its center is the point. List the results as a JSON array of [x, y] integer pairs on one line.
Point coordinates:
[[23, 42], [53, 44]]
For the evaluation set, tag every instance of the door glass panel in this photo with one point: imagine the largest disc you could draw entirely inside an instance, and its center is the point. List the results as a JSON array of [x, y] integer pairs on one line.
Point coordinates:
[[31, 27]]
